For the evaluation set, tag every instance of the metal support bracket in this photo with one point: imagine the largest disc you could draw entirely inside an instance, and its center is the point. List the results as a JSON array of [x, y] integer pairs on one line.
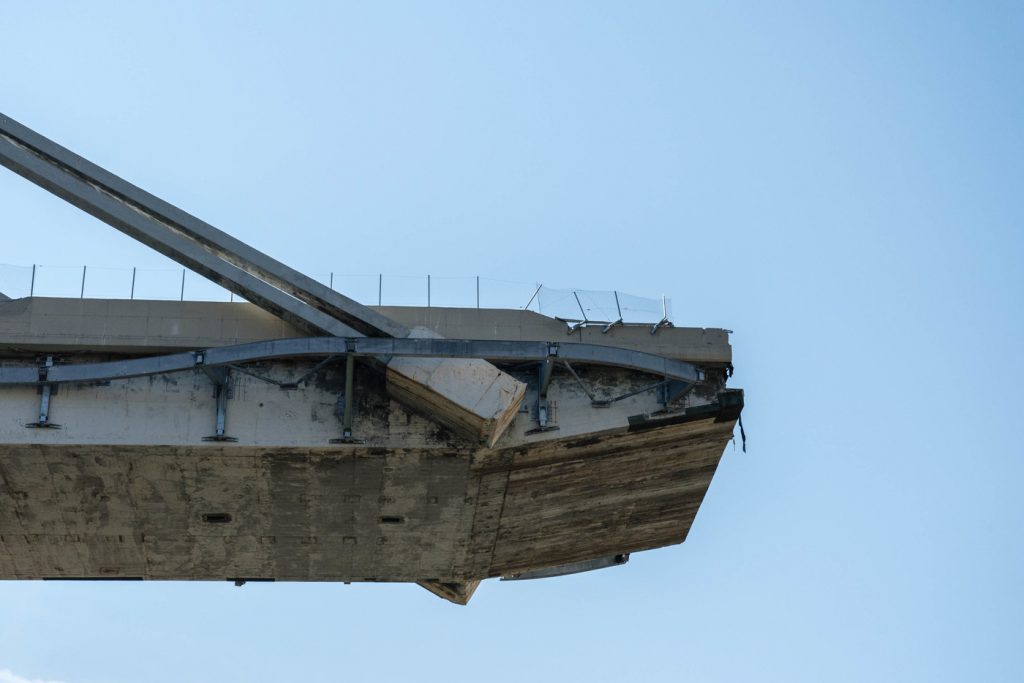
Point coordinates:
[[46, 392], [221, 378], [593, 401], [664, 322], [607, 328], [544, 413], [316, 368], [673, 390], [543, 380], [345, 403]]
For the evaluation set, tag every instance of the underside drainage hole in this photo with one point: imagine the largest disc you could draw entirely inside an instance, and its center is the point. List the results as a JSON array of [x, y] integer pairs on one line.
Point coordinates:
[[217, 518], [391, 520]]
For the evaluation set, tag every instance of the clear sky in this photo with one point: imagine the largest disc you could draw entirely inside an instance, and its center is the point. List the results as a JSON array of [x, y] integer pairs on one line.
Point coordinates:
[[838, 183]]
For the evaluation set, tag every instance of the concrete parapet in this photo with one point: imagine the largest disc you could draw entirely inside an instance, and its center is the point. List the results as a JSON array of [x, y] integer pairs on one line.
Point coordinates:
[[120, 326]]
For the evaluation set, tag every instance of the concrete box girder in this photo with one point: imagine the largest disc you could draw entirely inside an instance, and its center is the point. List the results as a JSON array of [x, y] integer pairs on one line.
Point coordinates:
[[125, 487]]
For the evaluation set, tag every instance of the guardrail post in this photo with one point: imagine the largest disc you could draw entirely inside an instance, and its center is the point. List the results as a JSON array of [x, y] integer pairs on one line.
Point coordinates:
[[535, 293]]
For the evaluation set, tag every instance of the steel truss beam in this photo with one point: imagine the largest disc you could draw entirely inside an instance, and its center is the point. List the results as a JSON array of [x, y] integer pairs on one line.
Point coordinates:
[[507, 351]]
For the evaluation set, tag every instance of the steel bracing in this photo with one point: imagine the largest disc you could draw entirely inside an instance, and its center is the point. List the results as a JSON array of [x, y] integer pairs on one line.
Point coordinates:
[[505, 351]]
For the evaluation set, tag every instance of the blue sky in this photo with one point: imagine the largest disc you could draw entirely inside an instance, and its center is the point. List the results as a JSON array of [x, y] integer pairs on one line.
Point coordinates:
[[838, 183]]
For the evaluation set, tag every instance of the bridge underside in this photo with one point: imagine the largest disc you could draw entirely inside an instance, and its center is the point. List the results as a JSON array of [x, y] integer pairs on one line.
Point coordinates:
[[130, 486], [469, 445]]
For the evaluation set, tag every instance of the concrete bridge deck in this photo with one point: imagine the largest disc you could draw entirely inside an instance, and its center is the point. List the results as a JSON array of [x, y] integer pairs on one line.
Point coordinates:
[[484, 454], [139, 326], [127, 487]]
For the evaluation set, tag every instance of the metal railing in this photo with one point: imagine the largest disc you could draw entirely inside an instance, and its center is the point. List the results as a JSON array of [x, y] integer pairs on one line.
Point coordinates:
[[577, 307]]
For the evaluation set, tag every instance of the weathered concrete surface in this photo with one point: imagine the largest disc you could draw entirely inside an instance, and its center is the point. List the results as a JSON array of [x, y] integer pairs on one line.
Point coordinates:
[[470, 397], [345, 514], [178, 409], [458, 592], [128, 488], [151, 326], [484, 408], [122, 488], [478, 405]]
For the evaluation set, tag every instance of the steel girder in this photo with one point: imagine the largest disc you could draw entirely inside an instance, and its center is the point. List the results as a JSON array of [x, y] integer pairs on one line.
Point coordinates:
[[507, 351]]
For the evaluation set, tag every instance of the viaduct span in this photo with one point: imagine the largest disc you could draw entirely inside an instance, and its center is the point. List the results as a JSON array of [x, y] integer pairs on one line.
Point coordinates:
[[305, 437]]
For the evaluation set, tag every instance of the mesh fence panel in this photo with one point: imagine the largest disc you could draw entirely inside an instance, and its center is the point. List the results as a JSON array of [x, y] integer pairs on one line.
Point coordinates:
[[574, 305], [600, 306], [638, 309]]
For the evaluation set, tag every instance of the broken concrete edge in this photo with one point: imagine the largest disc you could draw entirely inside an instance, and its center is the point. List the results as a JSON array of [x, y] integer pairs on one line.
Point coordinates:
[[4, 297], [492, 409], [471, 397], [456, 592]]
